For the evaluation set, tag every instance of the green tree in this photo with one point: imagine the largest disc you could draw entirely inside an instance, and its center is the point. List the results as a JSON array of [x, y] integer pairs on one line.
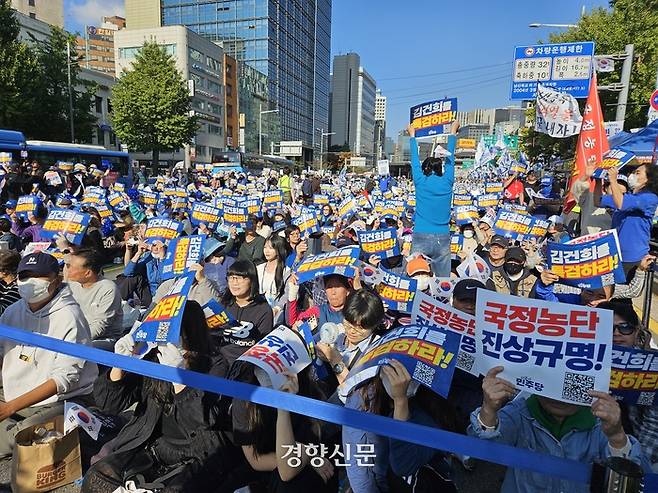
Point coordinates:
[[626, 22], [151, 104], [51, 110], [18, 71]]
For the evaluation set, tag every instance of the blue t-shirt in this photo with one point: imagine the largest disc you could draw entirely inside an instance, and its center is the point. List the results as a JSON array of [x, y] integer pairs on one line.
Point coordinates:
[[633, 222], [433, 193]]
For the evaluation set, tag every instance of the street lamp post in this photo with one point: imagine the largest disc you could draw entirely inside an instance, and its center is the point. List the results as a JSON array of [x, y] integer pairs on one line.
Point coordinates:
[[260, 126], [68, 68], [323, 134]]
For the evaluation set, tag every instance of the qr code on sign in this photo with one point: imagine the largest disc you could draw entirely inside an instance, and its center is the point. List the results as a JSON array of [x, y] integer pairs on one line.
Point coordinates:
[[576, 386], [607, 279], [645, 398], [424, 374], [163, 331], [465, 361]]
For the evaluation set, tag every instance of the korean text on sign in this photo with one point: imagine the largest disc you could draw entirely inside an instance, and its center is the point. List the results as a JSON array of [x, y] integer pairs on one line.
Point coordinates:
[[341, 262], [555, 350], [634, 375], [382, 243]]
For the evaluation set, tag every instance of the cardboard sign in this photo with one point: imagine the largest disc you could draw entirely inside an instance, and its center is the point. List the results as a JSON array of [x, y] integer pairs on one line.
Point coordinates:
[[556, 350], [456, 246], [342, 261], [216, 315], [427, 311], [634, 375], [307, 222], [149, 199], [181, 254], [616, 158], [512, 224], [466, 214], [493, 187], [428, 353], [279, 352], [383, 167], [462, 199], [163, 322], [488, 200], [117, 200], [433, 117], [382, 243], [347, 207], [319, 199], [273, 200], [71, 224], [587, 265], [162, 229], [203, 212], [397, 292]]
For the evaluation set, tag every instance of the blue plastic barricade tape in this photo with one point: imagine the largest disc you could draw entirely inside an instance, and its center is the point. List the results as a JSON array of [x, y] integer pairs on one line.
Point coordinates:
[[422, 435]]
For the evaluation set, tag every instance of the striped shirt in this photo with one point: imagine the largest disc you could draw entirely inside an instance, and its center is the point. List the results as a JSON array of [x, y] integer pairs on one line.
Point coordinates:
[[8, 295]]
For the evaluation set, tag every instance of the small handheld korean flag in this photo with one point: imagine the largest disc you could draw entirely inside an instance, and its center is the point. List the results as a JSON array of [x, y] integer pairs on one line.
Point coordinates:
[[75, 415]]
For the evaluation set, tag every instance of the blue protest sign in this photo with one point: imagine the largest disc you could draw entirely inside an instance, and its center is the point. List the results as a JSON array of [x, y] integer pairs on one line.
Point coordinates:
[[117, 200], [273, 200], [307, 222], [616, 158], [26, 205], [512, 224], [216, 315], [397, 292], [342, 261], [163, 321], [433, 117], [72, 224], [565, 67], [382, 243], [587, 264], [162, 229], [428, 353], [634, 375], [235, 215], [466, 214], [182, 252], [205, 213]]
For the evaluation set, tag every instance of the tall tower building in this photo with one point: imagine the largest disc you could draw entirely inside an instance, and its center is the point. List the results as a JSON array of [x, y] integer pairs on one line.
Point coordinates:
[[50, 11], [287, 40], [353, 106], [380, 125]]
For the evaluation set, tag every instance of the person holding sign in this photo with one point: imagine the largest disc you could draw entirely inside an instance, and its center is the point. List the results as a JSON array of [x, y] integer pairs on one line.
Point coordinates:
[[143, 272], [584, 434], [175, 428], [433, 181], [633, 212]]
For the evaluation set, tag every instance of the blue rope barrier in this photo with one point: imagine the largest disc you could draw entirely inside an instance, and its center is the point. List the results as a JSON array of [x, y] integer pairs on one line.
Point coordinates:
[[421, 435]]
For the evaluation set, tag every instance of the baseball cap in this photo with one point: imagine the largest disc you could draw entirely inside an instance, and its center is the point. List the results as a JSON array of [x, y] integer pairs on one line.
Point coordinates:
[[418, 264], [488, 221], [10, 204], [40, 263], [499, 240], [467, 289], [515, 253], [211, 246], [555, 220]]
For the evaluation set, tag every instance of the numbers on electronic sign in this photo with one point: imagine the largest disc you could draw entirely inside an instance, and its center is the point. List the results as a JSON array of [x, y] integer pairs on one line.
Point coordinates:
[[532, 69]]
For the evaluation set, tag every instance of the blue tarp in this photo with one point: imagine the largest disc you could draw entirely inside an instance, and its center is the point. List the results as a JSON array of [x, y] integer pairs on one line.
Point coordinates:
[[641, 144]]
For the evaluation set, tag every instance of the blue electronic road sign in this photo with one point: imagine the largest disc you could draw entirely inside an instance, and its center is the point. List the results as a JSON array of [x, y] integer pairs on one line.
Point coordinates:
[[565, 67]]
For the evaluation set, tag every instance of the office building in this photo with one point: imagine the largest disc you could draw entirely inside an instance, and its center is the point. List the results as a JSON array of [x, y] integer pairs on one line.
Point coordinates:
[[96, 48], [288, 41], [492, 116], [380, 125], [48, 11], [353, 93], [201, 64], [474, 131], [231, 113]]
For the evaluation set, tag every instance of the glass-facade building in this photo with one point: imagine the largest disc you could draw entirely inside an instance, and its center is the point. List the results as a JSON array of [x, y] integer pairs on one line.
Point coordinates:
[[287, 40]]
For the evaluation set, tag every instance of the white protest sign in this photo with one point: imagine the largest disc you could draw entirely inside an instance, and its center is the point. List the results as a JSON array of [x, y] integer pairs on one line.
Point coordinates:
[[556, 114], [383, 167], [555, 350], [75, 415], [429, 311], [281, 351]]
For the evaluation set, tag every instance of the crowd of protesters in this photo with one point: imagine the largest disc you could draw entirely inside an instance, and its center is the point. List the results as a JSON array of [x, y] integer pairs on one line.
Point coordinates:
[[173, 437]]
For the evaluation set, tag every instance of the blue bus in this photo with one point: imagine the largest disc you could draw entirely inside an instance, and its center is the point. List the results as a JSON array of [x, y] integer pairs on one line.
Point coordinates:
[[48, 153]]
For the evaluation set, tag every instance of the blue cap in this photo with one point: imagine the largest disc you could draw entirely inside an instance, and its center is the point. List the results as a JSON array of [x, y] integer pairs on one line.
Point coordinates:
[[211, 246], [10, 204]]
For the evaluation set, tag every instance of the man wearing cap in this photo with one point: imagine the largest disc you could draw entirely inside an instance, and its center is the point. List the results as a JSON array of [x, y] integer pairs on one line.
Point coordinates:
[[515, 278], [36, 382], [495, 255]]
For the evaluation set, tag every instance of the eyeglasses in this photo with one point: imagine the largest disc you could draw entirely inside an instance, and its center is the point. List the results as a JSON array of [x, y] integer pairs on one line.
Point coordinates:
[[624, 328], [236, 278]]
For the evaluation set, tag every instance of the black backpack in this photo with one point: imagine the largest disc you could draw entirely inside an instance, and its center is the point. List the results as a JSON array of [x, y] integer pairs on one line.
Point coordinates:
[[307, 188]]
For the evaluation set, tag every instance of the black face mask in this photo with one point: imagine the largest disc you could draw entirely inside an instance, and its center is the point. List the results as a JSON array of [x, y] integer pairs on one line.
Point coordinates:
[[512, 268]]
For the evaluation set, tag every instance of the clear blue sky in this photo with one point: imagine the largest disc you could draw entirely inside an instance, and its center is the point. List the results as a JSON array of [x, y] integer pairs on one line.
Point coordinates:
[[400, 42]]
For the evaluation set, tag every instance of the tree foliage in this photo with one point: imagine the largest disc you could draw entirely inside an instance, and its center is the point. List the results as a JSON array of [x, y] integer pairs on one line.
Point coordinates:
[[626, 22], [151, 104]]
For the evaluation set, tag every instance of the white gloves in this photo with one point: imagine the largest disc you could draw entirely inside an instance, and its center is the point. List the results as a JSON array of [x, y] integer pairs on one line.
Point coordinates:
[[125, 345], [170, 355]]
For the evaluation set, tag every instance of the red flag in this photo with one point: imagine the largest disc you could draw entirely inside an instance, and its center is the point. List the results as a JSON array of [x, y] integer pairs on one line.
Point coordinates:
[[592, 141]]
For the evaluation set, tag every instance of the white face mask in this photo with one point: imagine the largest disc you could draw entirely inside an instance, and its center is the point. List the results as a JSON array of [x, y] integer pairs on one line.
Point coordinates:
[[33, 290], [423, 282], [469, 233], [632, 181]]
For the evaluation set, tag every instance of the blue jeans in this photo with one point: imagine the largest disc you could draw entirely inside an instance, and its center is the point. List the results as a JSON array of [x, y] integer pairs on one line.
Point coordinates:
[[435, 246]]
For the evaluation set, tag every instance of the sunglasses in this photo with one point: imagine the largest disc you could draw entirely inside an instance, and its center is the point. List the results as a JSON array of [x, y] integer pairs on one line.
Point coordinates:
[[624, 328]]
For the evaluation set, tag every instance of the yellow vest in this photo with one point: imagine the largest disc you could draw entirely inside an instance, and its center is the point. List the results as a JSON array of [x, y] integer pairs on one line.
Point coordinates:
[[284, 183]]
